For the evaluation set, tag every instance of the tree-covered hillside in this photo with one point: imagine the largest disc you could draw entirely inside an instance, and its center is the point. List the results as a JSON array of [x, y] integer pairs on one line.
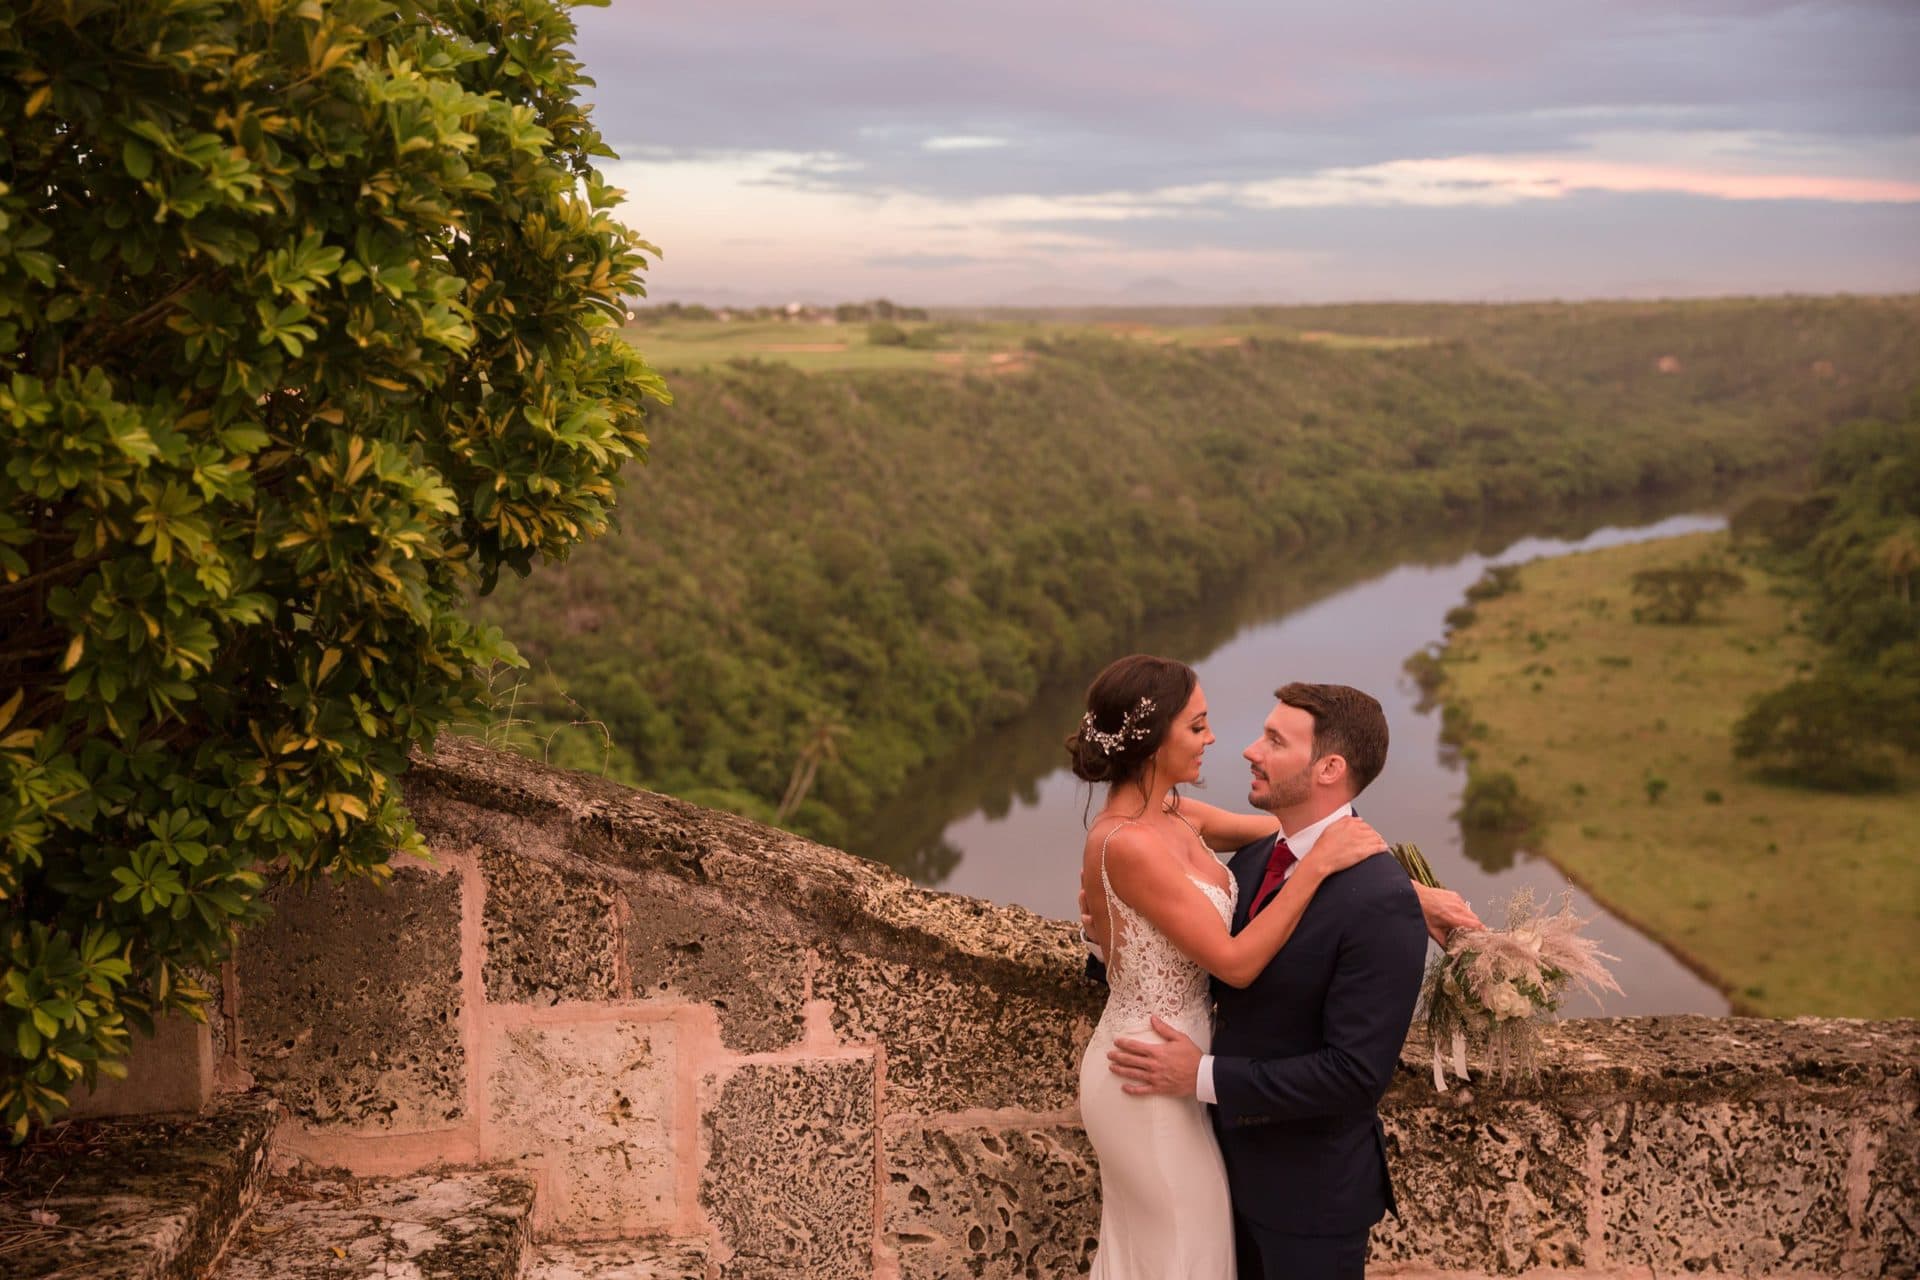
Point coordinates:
[[824, 581], [1851, 550]]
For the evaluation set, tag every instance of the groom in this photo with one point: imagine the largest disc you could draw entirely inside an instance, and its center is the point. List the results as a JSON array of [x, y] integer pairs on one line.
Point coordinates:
[[1302, 1055]]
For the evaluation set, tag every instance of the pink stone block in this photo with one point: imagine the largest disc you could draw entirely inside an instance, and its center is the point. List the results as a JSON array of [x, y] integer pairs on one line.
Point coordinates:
[[170, 1072]]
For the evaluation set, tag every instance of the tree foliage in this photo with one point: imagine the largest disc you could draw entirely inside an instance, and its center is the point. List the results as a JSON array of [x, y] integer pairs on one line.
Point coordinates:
[[307, 327], [1852, 546], [1676, 594], [1834, 731], [1498, 580], [1493, 802]]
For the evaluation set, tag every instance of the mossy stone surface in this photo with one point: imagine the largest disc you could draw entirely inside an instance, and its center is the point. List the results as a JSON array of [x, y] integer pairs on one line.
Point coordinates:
[[148, 1198]]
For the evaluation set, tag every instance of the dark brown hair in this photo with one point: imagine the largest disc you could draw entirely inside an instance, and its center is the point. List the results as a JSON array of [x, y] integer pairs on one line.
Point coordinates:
[[1117, 694], [1346, 723]]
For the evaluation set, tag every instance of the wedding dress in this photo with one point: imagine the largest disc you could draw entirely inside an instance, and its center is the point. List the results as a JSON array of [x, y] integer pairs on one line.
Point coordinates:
[[1164, 1213]]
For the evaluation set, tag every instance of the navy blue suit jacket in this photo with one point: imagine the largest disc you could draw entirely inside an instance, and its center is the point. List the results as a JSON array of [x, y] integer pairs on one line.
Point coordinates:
[[1303, 1054]]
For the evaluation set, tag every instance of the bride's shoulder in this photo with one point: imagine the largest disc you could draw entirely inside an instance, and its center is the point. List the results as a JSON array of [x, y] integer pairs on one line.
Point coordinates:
[[1114, 833], [1113, 826], [1135, 854]]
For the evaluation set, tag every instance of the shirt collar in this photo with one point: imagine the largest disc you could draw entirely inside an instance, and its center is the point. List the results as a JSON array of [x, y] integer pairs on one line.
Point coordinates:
[[1302, 843]]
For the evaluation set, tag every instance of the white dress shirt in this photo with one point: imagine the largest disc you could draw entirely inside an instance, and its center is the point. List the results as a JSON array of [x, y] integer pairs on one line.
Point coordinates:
[[1301, 845]]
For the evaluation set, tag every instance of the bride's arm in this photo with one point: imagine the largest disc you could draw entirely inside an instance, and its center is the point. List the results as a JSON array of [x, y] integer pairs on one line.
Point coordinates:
[[1222, 829], [1150, 881]]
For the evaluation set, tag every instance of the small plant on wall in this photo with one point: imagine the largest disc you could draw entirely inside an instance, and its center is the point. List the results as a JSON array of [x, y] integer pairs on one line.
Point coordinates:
[[308, 322]]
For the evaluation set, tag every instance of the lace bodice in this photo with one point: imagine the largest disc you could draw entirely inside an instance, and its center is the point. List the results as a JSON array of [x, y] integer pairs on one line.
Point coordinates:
[[1146, 973]]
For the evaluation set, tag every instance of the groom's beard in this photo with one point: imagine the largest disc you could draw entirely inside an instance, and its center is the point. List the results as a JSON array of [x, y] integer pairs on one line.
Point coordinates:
[[1285, 793]]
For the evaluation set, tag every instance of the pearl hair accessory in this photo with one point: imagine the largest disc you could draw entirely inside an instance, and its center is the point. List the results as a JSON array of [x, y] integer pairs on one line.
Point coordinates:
[[1132, 729]]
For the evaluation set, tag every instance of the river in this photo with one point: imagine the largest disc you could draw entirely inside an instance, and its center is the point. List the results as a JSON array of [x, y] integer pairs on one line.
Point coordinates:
[[1002, 818]]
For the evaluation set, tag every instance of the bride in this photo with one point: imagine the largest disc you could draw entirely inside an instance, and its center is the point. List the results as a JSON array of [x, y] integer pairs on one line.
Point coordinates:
[[1161, 906]]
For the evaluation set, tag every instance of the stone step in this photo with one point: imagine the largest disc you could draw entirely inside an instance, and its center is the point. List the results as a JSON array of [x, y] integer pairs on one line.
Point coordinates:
[[621, 1260], [136, 1198], [450, 1224]]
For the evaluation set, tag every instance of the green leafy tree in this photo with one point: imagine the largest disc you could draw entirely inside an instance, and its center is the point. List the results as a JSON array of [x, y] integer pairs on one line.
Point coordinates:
[[1498, 580], [1784, 524], [308, 325], [1678, 594], [1835, 731], [1493, 802]]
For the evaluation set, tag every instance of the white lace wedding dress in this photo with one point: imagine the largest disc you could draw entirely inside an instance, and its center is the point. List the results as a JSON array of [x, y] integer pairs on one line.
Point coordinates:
[[1164, 1213]]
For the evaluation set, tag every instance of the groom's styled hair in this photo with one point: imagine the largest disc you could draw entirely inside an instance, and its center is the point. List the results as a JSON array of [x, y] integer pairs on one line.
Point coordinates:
[[1346, 723]]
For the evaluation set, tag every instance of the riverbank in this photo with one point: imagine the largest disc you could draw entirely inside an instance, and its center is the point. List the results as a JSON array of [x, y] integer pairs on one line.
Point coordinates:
[[1616, 735]]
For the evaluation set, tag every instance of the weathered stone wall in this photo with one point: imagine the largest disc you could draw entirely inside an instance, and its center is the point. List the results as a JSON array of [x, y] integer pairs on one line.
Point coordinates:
[[688, 1025]]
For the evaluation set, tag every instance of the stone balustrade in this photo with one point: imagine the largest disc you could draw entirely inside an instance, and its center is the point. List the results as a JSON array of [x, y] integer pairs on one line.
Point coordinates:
[[686, 1025]]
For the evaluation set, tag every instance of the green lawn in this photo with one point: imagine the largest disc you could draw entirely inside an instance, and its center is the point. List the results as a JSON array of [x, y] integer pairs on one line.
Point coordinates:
[[1797, 902]]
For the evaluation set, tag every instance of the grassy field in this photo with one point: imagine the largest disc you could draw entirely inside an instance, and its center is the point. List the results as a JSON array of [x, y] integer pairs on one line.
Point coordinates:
[[959, 345], [1794, 901]]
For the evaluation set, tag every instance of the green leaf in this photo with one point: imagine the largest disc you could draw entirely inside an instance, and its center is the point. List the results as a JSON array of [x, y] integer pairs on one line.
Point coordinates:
[[36, 264], [245, 440]]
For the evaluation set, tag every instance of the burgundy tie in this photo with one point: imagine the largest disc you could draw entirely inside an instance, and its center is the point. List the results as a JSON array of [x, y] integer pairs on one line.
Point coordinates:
[[1276, 872]]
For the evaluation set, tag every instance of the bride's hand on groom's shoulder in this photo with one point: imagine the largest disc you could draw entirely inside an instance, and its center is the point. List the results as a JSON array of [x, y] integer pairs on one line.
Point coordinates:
[[1345, 843]]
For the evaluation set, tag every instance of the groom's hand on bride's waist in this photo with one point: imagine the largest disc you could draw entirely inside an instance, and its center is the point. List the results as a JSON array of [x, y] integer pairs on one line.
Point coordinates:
[[1169, 1066]]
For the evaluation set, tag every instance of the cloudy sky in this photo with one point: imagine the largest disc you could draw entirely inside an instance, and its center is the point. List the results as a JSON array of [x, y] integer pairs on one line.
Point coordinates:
[[1263, 150]]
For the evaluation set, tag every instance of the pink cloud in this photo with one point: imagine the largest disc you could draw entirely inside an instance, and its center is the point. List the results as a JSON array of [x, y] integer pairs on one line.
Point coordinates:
[[1550, 175]]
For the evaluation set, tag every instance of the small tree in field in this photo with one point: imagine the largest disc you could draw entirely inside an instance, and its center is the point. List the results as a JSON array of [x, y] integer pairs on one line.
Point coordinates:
[[307, 326], [1677, 595]]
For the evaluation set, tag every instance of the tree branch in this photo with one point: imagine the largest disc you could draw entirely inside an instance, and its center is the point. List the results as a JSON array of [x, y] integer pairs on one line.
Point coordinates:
[[121, 331], [51, 577]]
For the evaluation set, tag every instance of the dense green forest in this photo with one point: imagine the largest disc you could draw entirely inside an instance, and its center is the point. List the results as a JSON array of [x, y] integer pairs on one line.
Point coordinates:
[[1851, 549], [824, 582]]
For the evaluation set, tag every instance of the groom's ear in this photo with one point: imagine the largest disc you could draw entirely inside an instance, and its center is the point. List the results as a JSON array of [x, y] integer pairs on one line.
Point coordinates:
[[1330, 770]]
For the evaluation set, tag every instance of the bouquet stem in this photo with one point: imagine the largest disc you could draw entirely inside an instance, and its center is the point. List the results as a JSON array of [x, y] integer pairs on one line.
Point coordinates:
[[1415, 864]]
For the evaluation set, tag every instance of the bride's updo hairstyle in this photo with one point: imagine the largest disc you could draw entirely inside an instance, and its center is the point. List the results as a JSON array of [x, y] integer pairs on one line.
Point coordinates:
[[1129, 707]]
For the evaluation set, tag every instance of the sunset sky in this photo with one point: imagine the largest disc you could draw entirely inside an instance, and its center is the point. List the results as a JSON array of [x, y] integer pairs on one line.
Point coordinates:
[[1253, 150]]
